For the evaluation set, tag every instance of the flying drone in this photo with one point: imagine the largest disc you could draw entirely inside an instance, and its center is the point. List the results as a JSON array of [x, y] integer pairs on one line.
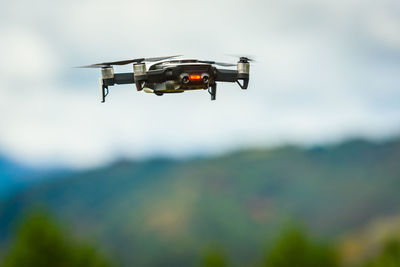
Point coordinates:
[[168, 76]]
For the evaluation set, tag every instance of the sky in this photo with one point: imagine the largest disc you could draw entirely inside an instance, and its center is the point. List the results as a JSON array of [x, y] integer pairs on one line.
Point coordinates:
[[326, 71]]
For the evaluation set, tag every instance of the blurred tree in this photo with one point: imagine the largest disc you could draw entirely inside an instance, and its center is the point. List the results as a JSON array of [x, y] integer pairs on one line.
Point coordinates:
[[295, 249], [214, 256], [40, 242], [389, 256]]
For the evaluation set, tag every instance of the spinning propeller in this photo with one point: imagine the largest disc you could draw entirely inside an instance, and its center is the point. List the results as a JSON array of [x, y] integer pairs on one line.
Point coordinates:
[[217, 63], [243, 58], [124, 62]]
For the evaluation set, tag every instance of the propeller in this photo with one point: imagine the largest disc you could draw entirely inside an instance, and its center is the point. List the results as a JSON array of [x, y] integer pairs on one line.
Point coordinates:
[[217, 63], [243, 58], [124, 62]]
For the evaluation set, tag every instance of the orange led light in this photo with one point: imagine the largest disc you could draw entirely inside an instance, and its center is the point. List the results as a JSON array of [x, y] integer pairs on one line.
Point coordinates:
[[194, 77]]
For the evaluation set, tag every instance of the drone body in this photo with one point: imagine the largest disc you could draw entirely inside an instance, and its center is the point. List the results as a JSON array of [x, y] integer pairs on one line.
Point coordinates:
[[173, 76]]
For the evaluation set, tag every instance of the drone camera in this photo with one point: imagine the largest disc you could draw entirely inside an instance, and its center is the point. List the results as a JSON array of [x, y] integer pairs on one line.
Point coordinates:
[[185, 78], [205, 77]]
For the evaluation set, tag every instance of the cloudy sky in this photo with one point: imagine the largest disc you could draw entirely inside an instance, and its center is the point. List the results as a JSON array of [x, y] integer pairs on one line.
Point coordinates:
[[326, 71]]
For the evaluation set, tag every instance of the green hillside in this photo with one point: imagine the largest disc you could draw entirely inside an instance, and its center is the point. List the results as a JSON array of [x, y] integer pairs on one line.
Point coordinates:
[[164, 212]]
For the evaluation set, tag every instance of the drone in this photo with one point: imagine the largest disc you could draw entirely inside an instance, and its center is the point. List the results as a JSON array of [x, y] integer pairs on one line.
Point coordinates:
[[167, 75]]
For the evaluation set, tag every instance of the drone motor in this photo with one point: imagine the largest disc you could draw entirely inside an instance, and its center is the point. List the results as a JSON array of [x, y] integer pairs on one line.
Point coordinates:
[[107, 72]]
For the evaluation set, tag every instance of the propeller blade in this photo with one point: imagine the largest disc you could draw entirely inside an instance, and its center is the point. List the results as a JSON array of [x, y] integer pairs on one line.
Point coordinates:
[[124, 62], [217, 63], [249, 58], [154, 59], [94, 66]]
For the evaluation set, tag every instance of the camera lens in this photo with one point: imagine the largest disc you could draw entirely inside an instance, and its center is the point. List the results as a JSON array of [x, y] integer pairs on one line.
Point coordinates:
[[185, 79]]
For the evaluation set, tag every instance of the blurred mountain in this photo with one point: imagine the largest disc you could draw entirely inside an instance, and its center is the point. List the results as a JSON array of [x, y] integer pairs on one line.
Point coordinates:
[[369, 241], [161, 212], [10, 172], [15, 176]]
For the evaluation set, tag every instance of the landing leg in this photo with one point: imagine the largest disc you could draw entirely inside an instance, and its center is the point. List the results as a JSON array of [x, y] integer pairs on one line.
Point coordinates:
[[213, 91], [103, 90]]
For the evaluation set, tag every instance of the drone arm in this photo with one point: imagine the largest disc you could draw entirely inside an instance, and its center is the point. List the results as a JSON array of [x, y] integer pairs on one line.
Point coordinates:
[[159, 76], [222, 75], [124, 78], [119, 78]]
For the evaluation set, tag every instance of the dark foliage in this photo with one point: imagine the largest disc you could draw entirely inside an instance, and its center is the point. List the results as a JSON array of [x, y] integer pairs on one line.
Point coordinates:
[[295, 248], [41, 242]]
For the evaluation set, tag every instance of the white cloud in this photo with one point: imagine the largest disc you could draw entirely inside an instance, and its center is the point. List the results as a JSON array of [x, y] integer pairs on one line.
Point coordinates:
[[318, 78], [26, 58]]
